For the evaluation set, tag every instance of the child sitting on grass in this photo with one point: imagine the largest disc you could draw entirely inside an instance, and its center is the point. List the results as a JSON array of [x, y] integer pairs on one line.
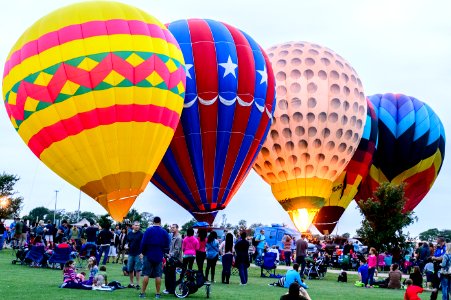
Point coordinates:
[[71, 281], [101, 278], [125, 268], [363, 274], [412, 291], [93, 269]]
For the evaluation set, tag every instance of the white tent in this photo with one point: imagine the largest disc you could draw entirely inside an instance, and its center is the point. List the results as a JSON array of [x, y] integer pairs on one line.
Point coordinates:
[[81, 223]]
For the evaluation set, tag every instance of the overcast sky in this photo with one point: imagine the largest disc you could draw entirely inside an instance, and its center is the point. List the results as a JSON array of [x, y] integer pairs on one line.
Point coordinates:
[[395, 46]]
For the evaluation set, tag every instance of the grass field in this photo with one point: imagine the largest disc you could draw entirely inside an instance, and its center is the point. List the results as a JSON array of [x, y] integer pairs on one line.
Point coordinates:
[[23, 282]]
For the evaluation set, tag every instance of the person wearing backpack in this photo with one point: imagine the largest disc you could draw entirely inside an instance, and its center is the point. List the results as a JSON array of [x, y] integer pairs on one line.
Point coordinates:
[[445, 275]]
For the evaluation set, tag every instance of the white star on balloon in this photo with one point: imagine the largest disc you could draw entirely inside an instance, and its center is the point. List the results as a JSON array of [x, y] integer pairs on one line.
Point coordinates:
[[229, 67], [264, 75], [188, 68]]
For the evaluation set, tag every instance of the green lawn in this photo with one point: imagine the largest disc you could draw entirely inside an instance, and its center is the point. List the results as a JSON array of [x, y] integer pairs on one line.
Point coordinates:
[[22, 282]]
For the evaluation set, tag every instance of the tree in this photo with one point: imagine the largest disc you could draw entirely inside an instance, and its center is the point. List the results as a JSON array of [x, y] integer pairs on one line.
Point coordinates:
[[90, 216], [39, 213], [383, 226], [187, 225], [10, 206], [346, 235], [253, 226], [429, 235]]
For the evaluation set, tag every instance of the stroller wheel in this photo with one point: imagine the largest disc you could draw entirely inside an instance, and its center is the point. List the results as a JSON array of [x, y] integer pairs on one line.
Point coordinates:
[[181, 290]]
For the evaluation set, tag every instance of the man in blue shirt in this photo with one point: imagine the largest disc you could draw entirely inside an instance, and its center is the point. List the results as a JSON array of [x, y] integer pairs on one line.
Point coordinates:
[[261, 239], [154, 244], [440, 250], [363, 272]]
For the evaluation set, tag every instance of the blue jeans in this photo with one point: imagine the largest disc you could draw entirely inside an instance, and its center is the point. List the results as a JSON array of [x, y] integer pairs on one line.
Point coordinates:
[[445, 279], [371, 272], [259, 253], [2, 240], [242, 268], [104, 250], [287, 258]]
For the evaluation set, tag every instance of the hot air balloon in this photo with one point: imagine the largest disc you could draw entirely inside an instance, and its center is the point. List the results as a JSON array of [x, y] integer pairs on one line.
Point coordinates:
[[345, 186], [411, 148], [95, 90], [318, 122], [227, 112]]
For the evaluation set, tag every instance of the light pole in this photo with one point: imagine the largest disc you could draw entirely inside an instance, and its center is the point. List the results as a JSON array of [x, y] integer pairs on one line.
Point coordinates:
[[78, 212], [54, 212]]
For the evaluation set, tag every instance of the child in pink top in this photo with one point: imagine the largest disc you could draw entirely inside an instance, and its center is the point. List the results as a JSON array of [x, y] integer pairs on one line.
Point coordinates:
[[372, 263]]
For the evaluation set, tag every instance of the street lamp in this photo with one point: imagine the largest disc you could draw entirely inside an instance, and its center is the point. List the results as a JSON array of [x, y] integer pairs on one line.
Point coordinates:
[[54, 212]]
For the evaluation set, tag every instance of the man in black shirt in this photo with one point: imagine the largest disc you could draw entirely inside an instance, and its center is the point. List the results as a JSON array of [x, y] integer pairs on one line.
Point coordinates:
[[134, 260], [91, 234], [104, 240]]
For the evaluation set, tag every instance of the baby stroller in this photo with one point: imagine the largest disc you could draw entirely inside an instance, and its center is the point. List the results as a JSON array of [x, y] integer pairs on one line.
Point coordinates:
[[316, 269], [20, 254], [190, 283]]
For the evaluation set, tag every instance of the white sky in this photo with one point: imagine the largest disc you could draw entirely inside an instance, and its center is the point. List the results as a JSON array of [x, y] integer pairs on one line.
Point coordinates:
[[395, 46]]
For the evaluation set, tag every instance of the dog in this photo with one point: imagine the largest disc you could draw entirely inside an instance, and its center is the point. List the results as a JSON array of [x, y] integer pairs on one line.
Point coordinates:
[[343, 277]]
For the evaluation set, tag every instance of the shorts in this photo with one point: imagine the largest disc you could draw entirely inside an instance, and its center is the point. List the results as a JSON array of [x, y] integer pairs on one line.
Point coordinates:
[[134, 263], [48, 238], [429, 276], [151, 269]]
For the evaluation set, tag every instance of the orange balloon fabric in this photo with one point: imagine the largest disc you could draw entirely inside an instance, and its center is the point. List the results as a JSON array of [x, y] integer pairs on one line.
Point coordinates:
[[318, 122]]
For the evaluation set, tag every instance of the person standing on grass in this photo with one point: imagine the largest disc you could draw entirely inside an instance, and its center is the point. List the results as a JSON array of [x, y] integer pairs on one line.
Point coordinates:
[[212, 252], [372, 264], [175, 259], [2, 233], [154, 244], [287, 241], [242, 257], [104, 240], [301, 253], [261, 239], [190, 245], [200, 253], [134, 263], [227, 258], [445, 277]]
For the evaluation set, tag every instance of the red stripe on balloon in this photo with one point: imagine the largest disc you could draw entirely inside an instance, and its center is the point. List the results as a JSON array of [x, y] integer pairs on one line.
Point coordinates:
[[206, 70], [101, 116], [246, 91], [86, 30], [259, 135]]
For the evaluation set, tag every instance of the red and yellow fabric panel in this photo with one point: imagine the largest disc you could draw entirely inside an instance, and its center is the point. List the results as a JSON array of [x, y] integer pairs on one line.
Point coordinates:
[[96, 90]]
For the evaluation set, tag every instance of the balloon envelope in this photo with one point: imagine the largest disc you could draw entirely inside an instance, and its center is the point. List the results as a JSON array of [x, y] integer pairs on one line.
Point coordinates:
[[318, 122], [411, 147], [345, 187], [227, 112], [95, 90]]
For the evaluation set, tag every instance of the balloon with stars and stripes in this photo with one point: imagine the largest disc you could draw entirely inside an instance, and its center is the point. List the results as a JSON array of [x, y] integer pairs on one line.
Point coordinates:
[[227, 113], [95, 90], [411, 148]]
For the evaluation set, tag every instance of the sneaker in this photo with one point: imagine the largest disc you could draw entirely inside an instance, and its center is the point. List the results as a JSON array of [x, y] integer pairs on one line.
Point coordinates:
[[138, 287], [165, 292], [243, 283], [142, 295], [157, 296], [131, 286]]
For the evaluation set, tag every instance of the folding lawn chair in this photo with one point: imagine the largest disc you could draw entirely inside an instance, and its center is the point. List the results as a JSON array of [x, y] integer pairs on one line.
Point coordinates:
[[35, 255], [269, 266], [60, 256]]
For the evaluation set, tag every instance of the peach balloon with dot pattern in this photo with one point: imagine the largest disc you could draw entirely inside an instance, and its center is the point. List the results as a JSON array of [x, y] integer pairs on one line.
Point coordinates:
[[318, 122]]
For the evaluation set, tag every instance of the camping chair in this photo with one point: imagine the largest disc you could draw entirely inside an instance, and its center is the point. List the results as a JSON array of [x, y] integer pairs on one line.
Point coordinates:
[[381, 261], [269, 266], [86, 251], [35, 255], [60, 256], [388, 260]]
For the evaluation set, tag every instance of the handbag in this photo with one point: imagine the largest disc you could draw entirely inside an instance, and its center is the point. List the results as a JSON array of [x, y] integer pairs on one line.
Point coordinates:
[[446, 270]]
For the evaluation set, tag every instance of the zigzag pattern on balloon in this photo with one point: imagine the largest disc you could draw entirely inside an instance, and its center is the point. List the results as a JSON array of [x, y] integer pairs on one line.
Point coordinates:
[[229, 103], [123, 69]]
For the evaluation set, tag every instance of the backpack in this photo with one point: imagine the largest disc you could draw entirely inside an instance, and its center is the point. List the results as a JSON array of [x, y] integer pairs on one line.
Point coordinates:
[[254, 242]]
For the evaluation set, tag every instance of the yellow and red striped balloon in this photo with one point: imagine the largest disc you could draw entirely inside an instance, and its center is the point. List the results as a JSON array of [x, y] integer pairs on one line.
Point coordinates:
[[96, 90]]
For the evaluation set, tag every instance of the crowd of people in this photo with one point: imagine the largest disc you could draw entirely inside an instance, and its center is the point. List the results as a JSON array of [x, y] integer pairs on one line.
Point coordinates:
[[155, 252]]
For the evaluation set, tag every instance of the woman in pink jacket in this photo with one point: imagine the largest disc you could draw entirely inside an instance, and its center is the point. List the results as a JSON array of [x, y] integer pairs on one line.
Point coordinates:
[[190, 245]]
